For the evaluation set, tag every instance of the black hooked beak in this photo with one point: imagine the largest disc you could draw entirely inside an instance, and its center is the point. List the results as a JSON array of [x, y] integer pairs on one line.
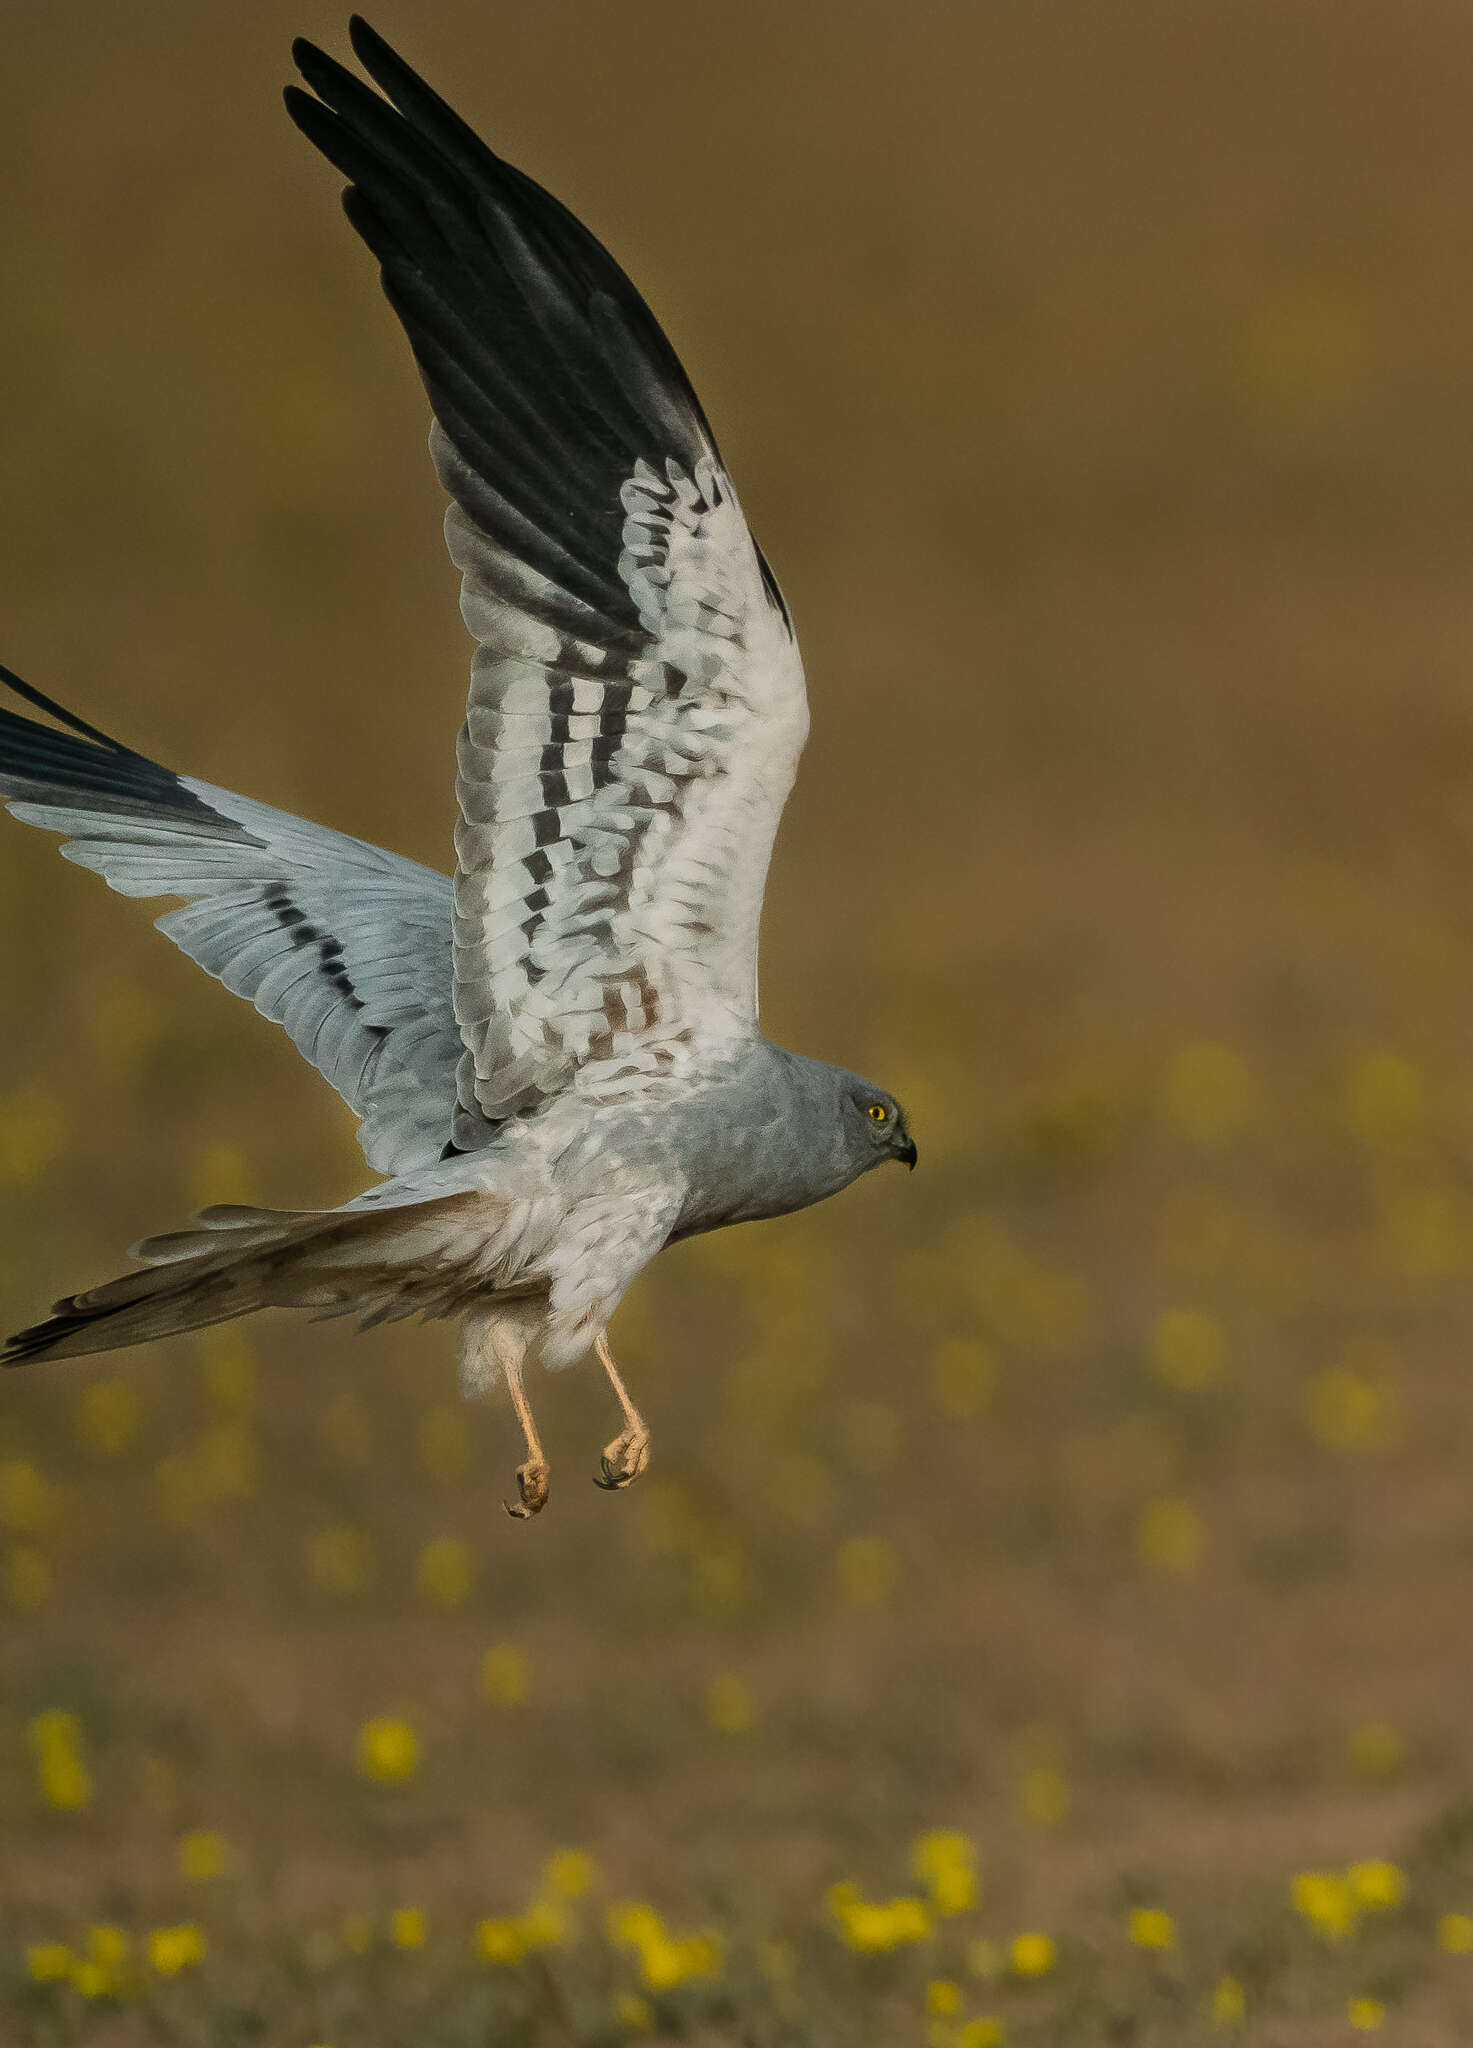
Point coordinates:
[[907, 1153]]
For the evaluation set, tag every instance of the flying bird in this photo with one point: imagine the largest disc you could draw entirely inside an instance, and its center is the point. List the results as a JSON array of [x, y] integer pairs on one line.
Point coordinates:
[[554, 1054]]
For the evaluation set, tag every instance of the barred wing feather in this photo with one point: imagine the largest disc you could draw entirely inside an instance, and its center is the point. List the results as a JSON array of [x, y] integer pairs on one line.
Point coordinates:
[[344, 945], [636, 706]]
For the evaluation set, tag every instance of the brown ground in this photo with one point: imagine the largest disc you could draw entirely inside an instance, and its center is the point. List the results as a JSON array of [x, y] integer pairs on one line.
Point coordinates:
[[1100, 380]]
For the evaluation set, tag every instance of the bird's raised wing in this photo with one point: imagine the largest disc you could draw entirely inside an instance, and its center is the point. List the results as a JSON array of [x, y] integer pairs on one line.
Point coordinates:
[[346, 946], [636, 704]]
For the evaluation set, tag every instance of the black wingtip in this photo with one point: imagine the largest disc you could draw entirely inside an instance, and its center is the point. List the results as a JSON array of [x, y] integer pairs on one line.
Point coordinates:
[[49, 705]]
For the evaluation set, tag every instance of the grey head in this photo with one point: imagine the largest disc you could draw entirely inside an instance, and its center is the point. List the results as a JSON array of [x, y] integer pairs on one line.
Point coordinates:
[[781, 1133]]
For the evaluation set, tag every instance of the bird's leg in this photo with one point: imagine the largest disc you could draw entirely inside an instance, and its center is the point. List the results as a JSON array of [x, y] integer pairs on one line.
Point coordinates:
[[531, 1477], [626, 1457]]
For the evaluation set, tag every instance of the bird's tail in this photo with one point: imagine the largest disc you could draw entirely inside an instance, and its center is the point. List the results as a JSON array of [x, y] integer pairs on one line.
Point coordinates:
[[384, 1263]]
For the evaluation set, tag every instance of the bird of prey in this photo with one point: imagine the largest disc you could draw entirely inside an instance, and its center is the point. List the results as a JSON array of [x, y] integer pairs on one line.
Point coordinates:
[[555, 1054]]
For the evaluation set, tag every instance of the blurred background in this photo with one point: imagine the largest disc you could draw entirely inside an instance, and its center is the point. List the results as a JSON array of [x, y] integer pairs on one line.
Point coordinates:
[[1092, 1510]]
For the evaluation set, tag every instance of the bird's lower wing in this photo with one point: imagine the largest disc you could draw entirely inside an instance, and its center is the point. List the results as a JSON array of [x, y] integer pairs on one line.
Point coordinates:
[[344, 945]]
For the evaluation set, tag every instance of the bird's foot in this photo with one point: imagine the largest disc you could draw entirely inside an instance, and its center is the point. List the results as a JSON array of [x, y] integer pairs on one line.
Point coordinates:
[[532, 1489], [624, 1459]]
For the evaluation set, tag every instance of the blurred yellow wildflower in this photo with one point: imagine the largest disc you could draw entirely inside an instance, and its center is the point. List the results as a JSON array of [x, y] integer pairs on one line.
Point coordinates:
[[1455, 1934], [32, 1132], [388, 1750], [445, 1445], [986, 2030], [867, 1571], [108, 1946], [963, 1378], [1385, 1102], [408, 1927], [1208, 1097], [943, 1998], [947, 1862], [61, 1772], [92, 1980], [26, 1502], [444, 1574], [568, 1873], [500, 1941], [729, 1704], [872, 1927], [341, 1559], [1365, 2014], [1168, 1536], [1046, 1796], [1376, 1750], [203, 1854], [1348, 1410], [1229, 2003], [1325, 1899], [1149, 1927], [544, 1924], [25, 1578], [664, 1960], [230, 1368], [1188, 1349], [107, 1417], [172, 1949], [1377, 1885], [1033, 1954], [506, 1675], [49, 1962], [634, 2014], [357, 1933]]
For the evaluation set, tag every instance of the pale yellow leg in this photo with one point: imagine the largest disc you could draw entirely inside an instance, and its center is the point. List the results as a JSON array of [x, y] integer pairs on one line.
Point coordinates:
[[626, 1457], [531, 1477]]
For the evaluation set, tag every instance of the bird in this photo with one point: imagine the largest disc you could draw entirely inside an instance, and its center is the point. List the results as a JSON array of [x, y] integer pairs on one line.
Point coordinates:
[[555, 1053]]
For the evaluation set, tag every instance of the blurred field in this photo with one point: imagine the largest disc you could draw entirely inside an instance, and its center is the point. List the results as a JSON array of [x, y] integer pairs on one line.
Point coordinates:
[[1100, 382]]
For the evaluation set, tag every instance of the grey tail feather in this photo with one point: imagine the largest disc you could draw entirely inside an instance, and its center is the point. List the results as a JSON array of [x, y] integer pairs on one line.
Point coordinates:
[[237, 1260]]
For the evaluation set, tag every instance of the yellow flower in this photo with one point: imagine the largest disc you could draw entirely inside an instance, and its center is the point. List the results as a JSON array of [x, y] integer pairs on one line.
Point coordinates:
[[1325, 1899], [1151, 1928], [341, 1559], [1378, 1885], [1365, 2014], [985, 2031], [203, 1854], [867, 1571], [1033, 1954], [388, 1751], [32, 1130], [107, 1417], [544, 1924], [1455, 1934], [729, 1704], [963, 1378], [26, 1502], [1376, 1750], [947, 1862], [943, 1998], [1229, 2003], [506, 1675], [26, 1578], [444, 1573], [1352, 1412], [569, 1873], [872, 1928], [500, 1941], [634, 2014], [172, 1949], [92, 1980], [49, 1962], [56, 1745], [357, 1933], [664, 1961], [1046, 1796], [107, 1946], [407, 1928], [1168, 1536], [1188, 1349]]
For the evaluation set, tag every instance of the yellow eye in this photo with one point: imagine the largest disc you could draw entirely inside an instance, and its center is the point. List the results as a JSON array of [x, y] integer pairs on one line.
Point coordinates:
[[879, 1112]]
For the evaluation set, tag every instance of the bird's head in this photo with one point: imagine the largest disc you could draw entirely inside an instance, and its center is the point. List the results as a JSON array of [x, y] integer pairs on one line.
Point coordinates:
[[875, 1120]]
